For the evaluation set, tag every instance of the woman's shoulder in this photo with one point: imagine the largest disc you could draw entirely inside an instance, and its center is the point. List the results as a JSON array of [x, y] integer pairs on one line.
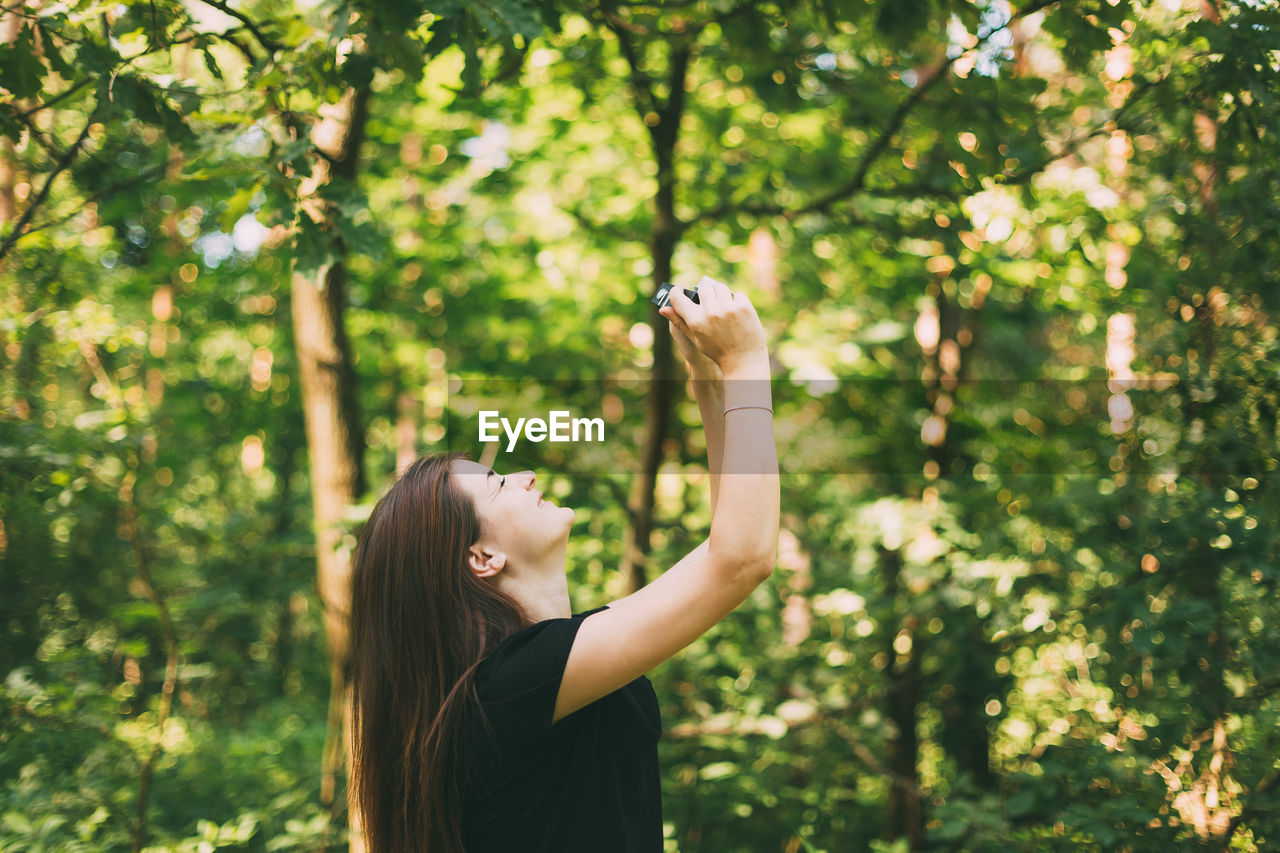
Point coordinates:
[[518, 681], [531, 656]]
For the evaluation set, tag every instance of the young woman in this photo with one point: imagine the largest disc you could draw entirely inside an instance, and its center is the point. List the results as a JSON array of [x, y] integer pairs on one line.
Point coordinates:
[[488, 718]]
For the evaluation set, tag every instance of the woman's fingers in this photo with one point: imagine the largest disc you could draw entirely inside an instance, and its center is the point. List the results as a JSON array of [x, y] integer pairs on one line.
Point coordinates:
[[686, 346], [673, 318], [743, 302], [721, 325], [711, 293], [686, 309], [717, 291]]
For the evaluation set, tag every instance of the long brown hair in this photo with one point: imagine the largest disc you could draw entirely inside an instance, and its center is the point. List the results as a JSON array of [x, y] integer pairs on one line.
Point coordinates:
[[420, 623]]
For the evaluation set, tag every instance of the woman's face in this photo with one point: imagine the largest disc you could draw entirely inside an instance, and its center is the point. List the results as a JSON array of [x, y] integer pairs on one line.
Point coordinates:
[[514, 517]]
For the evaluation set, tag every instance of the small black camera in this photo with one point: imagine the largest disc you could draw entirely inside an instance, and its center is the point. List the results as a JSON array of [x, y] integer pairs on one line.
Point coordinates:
[[664, 295]]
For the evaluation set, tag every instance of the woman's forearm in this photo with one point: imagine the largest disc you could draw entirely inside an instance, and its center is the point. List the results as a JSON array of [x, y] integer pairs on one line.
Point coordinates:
[[708, 391], [744, 530]]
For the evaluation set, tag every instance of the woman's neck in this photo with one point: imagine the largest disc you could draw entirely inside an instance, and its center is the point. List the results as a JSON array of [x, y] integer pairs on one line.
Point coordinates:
[[541, 594]]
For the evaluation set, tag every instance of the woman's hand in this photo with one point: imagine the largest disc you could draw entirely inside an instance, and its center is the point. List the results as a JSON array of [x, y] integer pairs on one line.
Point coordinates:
[[700, 367], [724, 327]]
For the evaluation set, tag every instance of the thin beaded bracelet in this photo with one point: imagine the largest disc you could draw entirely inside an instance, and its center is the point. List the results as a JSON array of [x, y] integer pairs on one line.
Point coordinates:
[[735, 408]]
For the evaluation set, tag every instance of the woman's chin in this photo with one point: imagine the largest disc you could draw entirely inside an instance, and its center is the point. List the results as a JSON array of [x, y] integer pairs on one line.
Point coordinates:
[[562, 514]]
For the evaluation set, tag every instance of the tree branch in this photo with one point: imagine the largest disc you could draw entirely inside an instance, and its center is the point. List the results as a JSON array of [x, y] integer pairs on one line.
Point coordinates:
[[118, 185], [867, 757], [877, 148], [62, 164], [130, 529], [55, 99], [822, 718], [641, 83], [872, 154], [269, 45], [130, 519], [669, 114]]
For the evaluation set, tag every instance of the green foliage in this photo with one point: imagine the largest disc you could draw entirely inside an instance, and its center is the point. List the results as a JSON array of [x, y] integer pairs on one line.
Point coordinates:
[[1074, 620]]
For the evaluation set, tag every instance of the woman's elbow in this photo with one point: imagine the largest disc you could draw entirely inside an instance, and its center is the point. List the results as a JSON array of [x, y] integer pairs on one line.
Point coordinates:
[[761, 568], [749, 563]]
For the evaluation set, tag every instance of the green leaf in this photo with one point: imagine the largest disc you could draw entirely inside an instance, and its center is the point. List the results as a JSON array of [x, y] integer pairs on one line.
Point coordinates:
[[16, 822], [363, 239], [21, 71], [1020, 803], [294, 151], [313, 247], [471, 70], [518, 18], [91, 54], [149, 105], [211, 63], [51, 53], [346, 196], [358, 70], [405, 53], [10, 126], [237, 205]]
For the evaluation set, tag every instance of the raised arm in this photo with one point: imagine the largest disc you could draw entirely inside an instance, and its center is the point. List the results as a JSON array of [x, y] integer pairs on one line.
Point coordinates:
[[708, 391], [637, 633]]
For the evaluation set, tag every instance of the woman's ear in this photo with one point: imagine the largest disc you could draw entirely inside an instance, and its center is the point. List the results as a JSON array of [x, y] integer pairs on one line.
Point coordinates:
[[485, 562]]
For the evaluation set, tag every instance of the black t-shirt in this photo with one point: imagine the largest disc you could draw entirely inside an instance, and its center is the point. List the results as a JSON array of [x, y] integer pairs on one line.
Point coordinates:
[[587, 783]]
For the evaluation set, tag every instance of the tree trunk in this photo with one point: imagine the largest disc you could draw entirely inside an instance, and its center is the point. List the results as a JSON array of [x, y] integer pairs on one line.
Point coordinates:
[[663, 238], [905, 813], [946, 332], [334, 434], [1207, 804], [8, 174], [10, 23]]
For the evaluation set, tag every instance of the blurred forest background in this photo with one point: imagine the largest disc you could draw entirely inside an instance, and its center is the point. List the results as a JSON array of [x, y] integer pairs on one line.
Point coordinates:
[[1018, 263]]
